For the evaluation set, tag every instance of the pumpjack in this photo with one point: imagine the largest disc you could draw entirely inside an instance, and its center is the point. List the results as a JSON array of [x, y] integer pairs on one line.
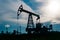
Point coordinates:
[[30, 24]]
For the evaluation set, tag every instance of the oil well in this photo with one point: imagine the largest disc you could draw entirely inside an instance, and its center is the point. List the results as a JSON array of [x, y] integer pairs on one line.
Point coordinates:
[[39, 32], [31, 29]]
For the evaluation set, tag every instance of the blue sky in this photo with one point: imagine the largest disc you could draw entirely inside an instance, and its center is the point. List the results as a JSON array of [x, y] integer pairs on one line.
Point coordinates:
[[8, 14]]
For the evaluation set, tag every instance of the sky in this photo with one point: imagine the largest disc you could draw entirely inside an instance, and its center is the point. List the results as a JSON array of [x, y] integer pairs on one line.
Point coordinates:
[[49, 11]]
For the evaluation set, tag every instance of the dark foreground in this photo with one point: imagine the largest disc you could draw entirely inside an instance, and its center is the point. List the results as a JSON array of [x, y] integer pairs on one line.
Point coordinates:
[[42, 36]]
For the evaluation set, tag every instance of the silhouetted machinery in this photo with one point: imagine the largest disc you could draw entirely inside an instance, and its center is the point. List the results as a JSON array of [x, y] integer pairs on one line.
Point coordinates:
[[30, 25]]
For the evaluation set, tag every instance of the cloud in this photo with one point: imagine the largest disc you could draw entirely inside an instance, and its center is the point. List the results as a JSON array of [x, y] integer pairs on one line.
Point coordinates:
[[40, 0], [10, 11], [46, 14]]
